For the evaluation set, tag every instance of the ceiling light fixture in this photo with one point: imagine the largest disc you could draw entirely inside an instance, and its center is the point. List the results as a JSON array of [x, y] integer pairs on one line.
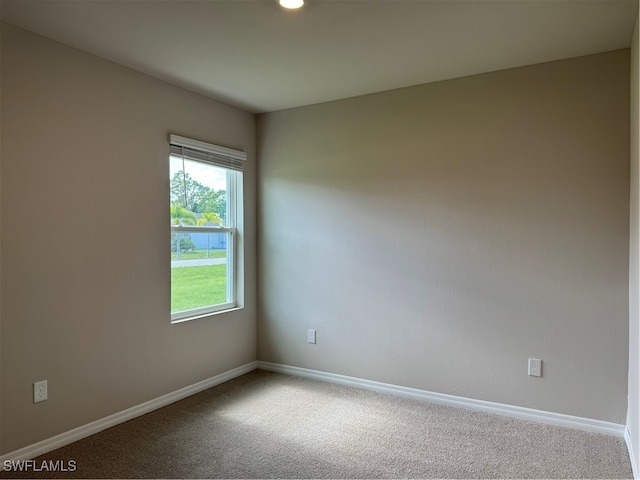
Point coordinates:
[[291, 4]]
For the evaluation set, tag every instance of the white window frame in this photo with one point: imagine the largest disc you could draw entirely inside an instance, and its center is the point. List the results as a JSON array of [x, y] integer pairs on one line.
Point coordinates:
[[232, 161]]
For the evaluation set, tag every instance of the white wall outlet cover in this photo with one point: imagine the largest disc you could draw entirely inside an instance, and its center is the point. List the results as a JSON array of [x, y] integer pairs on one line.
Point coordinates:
[[39, 391], [535, 367], [311, 336]]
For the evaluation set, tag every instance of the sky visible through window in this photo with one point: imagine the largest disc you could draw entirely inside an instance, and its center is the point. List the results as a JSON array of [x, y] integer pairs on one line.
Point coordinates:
[[203, 173]]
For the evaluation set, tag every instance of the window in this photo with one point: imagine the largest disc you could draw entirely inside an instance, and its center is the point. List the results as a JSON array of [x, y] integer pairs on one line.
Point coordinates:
[[206, 213]]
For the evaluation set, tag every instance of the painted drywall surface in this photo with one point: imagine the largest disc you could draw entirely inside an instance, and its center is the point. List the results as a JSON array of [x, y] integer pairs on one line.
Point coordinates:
[[438, 236], [0, 246], [85, 273], [633, 413]]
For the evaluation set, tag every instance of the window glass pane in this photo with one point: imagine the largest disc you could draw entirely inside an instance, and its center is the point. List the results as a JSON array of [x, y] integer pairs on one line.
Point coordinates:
[[198, 270], [200, 189], [199, 260]]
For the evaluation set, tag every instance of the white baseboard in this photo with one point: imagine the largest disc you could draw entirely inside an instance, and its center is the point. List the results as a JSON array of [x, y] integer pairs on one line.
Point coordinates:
[[629, 442], [596, 426], [32, 451]]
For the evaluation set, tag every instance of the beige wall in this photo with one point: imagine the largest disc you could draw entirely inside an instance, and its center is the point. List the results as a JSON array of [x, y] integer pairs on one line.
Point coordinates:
[[85, 277], [633, 414], [437, 236], [1, 28]]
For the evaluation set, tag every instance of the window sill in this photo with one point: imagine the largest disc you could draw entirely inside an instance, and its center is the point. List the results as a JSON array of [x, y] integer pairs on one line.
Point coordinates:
[[203, 315]]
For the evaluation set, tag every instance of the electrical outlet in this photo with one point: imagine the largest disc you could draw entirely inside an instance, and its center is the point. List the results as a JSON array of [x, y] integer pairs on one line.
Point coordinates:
[[311, 336], [39, 391], [535, 367]]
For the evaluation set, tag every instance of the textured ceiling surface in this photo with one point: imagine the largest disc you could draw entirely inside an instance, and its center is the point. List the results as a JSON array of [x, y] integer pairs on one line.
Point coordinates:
[[260, 57]]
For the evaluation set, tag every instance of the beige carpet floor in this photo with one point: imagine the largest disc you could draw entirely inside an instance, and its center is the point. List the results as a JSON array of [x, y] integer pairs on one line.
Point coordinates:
[[266, 425]]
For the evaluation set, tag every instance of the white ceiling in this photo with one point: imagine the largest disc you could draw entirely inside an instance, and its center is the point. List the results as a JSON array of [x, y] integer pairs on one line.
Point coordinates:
[[260, 57]]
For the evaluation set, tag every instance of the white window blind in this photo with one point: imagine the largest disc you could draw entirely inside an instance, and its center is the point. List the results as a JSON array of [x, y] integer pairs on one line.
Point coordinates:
[[216, 155]]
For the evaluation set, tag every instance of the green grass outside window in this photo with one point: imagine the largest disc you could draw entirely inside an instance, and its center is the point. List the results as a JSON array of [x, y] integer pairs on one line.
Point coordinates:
[[195, 287]]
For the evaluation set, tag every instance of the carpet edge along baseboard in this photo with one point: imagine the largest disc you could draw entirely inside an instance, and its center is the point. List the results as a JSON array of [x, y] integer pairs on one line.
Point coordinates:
[[558, 419], [58, 441], [31, 451]]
